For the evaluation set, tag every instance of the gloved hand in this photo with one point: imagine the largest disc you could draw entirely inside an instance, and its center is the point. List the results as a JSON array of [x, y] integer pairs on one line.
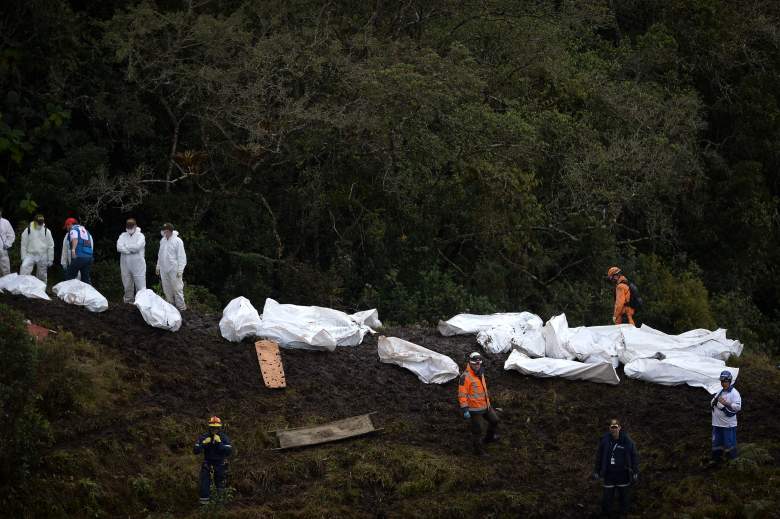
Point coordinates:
[[179, 274], [217, 439], [157, 272], [596, 476], [466, 414], [50, 264], [635, 476], [207, 440], [614, 320]]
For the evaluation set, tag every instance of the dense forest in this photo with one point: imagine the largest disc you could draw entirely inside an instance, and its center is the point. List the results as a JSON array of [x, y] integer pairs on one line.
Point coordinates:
[[424, 157]]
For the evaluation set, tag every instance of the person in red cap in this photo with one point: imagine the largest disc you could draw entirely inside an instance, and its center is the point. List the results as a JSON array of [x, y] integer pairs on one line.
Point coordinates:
[[215, 446], [80, 242]]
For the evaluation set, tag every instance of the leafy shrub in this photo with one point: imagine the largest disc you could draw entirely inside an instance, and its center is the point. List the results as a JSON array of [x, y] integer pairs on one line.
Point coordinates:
[[25, 431]]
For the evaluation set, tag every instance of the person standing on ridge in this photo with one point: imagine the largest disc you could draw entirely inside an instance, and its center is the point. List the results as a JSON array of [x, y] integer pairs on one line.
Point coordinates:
[[626, 302], [132, 263], [725, 405], [7, 237], [475, 403], [617, 466], [171, 261], [80, 243], [37, 249], [215, 446]]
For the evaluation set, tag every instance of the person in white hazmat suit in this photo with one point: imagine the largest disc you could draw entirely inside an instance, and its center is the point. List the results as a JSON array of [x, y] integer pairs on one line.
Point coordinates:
[[37, 249], [7, 237], [131, 245], [171, 261]]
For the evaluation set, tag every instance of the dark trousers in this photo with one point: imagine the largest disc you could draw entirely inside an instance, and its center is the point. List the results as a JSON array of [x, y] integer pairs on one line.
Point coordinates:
[[608, 498], [475, 424], [220, 470], [79, 265]]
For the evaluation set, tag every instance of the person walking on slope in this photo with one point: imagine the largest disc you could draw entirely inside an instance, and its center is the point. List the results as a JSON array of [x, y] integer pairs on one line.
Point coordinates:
[[617, 466], [623, 304], [7, 237], [725, 405], [131, 245], [215, 446], [171, 260], [37, 249], [80, 243], [475, 403]]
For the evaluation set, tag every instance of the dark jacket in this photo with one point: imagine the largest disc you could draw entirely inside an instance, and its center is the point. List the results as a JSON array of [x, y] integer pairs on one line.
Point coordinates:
[[213, 451], [624, 451]]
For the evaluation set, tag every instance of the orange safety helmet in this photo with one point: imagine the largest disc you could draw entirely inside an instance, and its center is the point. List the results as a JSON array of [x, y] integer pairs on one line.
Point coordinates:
[[613, 271], [214, 421]]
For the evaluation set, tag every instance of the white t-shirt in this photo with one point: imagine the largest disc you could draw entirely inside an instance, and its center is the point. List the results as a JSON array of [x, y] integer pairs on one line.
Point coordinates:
[[734, 401]]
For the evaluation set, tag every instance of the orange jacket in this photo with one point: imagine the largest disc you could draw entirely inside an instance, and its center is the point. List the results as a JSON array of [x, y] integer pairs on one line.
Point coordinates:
[[622, 297], [472, 391]]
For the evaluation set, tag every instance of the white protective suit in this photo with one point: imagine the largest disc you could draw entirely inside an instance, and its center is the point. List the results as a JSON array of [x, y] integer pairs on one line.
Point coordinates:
[[132, 262], [171, 260], [7, 237], [37, 251]]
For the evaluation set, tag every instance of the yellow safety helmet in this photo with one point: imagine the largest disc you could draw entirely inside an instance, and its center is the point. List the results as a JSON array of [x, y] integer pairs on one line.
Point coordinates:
[[214, 421]]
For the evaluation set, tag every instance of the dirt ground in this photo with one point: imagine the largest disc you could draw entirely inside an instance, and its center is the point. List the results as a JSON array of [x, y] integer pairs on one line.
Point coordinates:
[[555, 423]]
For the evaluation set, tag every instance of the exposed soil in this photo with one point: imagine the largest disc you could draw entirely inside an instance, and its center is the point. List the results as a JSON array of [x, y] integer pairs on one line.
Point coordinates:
[[194, 373]]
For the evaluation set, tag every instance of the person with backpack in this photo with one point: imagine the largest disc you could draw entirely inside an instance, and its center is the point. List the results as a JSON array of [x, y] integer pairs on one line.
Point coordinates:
[[7, 237], [627, 299], [725, 405], [80, 243], [37, 249], [475, 404]]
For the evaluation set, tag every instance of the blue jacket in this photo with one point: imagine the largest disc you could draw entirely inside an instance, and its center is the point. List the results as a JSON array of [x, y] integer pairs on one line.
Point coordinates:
[[213, 451], [624, 451]]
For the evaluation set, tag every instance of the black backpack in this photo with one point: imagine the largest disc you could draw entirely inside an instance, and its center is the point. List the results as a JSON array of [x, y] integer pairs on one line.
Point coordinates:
[[635, 301]]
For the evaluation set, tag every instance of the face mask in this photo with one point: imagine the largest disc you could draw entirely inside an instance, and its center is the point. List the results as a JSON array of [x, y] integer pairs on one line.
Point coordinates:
[[39, 222]]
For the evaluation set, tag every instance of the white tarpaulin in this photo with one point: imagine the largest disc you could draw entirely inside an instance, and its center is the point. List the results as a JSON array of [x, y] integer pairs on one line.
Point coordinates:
[[239, 320], [645, 342], [27, 286], [528, 340], [429, 366], [76, 292], [680, 368], [156, 311], [464, 324], [601, 372], [556, 336], [314, 327]]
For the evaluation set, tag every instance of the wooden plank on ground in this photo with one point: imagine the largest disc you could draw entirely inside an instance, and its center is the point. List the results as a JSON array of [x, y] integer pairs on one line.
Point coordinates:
[[270, 360], [339, 430]]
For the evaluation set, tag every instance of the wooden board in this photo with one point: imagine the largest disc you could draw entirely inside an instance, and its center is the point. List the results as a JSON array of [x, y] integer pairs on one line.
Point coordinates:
[[270, 364], [339, 430]]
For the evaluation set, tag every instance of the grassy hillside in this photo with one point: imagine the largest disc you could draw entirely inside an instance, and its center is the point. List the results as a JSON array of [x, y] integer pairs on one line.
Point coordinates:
[[124, 403]]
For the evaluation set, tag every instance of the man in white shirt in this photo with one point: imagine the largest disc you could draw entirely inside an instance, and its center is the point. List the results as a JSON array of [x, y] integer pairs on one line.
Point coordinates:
[[171, 261], [725, 406], [131, 245], [37, 249], [7, 237]]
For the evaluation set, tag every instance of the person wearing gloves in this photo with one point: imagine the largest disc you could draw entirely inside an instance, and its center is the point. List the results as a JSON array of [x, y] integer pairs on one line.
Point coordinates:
[[7, 237], [475, 403], [617, 466], [725, 405], [37, 249], [215, 446], [131, 245], [171, 261], [80, 243]]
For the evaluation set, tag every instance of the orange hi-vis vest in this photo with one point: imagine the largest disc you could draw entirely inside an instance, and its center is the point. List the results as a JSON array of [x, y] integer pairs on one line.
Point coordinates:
[[472, 391]]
